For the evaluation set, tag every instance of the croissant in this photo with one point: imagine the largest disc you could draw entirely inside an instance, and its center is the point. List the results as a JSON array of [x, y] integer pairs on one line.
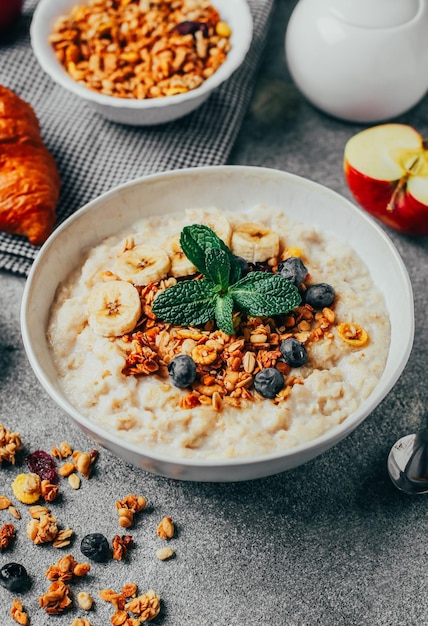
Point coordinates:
[[29, 178]]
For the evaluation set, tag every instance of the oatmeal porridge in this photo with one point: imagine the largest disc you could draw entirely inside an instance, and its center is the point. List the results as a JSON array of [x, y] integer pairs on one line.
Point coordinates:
[[234, 379]]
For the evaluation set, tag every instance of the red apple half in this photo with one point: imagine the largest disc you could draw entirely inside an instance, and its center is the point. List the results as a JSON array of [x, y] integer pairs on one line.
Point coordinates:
[[386, 168]]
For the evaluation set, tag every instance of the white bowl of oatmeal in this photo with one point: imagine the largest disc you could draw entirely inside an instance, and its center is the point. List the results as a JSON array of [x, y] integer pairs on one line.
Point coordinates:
[[139, 62], [113, 375]]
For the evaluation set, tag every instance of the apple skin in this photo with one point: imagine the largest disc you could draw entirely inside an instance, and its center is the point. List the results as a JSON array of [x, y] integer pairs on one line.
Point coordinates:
[[10, 10], [409, 216]]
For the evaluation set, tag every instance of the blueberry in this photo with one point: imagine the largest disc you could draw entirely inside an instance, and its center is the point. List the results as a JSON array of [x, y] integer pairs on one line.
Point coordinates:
[[294, 352], [95, 546], [320, 295], [262, 266], [293, 269], [182, 370], [243, 264], [269, 382], [14, 577]]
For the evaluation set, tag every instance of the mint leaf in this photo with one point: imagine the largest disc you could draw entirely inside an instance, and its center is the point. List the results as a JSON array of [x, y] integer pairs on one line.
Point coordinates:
[[261, 293], [218, 268], [187, 302], [196, 240], [223, 314]]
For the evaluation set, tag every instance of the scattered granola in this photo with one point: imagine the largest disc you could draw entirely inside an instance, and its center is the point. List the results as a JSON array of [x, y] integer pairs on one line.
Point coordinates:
[[63, 538], [121, 545], [49, 491], [166, 528], [127, 508], [66, 469], [140, 48], [66, 568], [10, 444], [5, 503], [43, 528], [74, 481], [164, 553], [85, 600], [146, 606], [84, 462], [18, 614], [14, 512], [62, 451], [7, 535], [57, 599]]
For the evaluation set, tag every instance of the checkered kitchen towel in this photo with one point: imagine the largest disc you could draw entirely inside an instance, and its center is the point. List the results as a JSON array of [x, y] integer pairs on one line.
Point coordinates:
[[94, 155]]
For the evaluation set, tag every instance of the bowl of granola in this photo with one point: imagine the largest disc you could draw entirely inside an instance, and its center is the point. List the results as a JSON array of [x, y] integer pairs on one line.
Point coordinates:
[[141, 62], [218, 336]]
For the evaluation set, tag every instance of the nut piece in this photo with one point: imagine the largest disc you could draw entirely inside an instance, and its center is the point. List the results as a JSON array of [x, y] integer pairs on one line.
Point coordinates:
[[84, 600], [14, 512], [66, 469], [166, 528], [4, 503], [83, 461], [164, 553], [63, 538], [18, 614], [74, 480], [10, 444], [82, 621]]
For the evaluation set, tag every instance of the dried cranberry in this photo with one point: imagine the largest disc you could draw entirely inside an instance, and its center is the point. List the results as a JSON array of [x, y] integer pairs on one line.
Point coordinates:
[[190, 28], [42, 464]]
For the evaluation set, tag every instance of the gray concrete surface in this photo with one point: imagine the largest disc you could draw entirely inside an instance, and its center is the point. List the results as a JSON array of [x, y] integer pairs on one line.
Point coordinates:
[[331, 543]]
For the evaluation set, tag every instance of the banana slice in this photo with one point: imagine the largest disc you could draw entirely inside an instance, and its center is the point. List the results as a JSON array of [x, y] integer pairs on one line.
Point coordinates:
[[142, 264], [113, 308], [217, 222], [254, 242], [180, 264]]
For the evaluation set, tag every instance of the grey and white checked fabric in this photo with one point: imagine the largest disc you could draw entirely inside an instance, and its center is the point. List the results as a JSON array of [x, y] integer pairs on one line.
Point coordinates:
[[94, 155]]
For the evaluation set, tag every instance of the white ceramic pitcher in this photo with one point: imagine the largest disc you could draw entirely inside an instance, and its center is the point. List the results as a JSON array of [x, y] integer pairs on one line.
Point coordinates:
[[359, 60]]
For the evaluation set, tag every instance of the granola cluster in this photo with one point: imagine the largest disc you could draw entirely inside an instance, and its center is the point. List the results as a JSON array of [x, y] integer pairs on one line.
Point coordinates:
[[131, 609], [141, 48], [10, 444], [7, 535], [18, 614], [143, 608], [226, 365]]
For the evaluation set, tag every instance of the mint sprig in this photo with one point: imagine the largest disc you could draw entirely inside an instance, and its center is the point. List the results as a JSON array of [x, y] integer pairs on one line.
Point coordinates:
[[197, 240], [193, 302]]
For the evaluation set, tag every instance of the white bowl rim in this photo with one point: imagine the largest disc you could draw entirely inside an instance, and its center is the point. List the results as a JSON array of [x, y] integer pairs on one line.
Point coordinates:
[[324, 441], [53, 68]]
